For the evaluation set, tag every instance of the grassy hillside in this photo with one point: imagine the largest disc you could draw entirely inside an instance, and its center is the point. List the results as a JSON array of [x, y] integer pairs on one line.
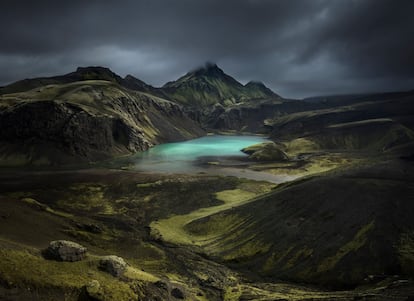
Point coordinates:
[[374, 125], [335, 230]]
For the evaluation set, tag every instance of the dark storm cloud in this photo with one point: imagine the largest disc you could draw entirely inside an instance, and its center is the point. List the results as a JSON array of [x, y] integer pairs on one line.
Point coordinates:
[[298, 48]]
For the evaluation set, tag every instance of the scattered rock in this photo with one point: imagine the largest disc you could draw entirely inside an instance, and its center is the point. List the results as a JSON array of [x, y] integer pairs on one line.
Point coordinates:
[[94, 290], [177, 293], [64, 250], [92, 228], [161, 284], [113, 265]]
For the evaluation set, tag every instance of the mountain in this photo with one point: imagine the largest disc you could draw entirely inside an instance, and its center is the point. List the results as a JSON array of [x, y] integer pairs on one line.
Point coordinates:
[[131, 112], [378, 123], [85, 116], [209, 85], [83, 74]]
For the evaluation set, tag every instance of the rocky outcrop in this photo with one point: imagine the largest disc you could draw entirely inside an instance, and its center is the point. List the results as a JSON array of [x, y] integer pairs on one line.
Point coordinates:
[[113, 265], [64, 250], [267, 151], [70, 129], [92, 122]]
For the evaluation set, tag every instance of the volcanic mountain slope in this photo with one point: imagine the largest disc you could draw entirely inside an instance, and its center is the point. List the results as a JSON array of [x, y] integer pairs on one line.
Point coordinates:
[[82, 74], [375, 124], [86, 120], [210, 85], [335, 230]]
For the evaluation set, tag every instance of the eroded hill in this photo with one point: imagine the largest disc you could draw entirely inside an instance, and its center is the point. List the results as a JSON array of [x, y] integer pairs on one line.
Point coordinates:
[[86, 121]]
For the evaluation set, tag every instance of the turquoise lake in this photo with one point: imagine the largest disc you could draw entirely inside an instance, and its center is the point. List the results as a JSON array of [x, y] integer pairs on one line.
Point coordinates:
[[184, 156]]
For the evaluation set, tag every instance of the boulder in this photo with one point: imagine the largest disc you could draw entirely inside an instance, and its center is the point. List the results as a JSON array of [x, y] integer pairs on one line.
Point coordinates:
[[177, 293], [64, 250], [113, 265]]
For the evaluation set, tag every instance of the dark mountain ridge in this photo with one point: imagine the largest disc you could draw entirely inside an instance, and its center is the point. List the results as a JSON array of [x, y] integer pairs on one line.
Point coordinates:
[[82, 74]]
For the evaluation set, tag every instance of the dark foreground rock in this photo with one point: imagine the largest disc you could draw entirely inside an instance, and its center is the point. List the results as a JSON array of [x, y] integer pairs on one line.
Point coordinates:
[[177, 293], [64, 250], [113, 265]]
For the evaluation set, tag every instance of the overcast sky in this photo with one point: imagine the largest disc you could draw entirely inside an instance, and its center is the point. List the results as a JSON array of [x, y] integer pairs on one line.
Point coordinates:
[[298, 48]]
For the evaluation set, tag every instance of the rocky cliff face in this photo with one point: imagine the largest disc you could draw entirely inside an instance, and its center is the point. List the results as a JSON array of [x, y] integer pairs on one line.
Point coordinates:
[[69, 129], [86, 121]]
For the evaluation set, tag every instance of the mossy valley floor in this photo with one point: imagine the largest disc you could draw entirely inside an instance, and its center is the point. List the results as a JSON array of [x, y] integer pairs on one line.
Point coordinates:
[[211, 237]]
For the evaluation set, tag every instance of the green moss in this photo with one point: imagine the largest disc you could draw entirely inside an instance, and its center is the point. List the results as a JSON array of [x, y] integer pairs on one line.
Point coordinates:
[[180, 230], [299, 255], [274, 259], [356, 243], [25, 269], [301, 145], [234, 195], [87, 197], [267, 151], [243, 251], [232, 293], [44, 207], [214, 226], [148, 185]]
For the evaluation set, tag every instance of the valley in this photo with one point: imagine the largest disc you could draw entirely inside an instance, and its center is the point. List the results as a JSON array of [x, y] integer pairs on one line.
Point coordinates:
[[207, 188]]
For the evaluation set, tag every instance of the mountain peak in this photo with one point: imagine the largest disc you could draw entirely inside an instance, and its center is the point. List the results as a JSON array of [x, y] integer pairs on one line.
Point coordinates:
[[96, 72], [209, 69], [93, 69], [131, 78]]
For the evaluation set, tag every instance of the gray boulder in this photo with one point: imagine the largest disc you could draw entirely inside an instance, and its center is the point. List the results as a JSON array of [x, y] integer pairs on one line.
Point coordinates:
[[64, 250], [113, 265]]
